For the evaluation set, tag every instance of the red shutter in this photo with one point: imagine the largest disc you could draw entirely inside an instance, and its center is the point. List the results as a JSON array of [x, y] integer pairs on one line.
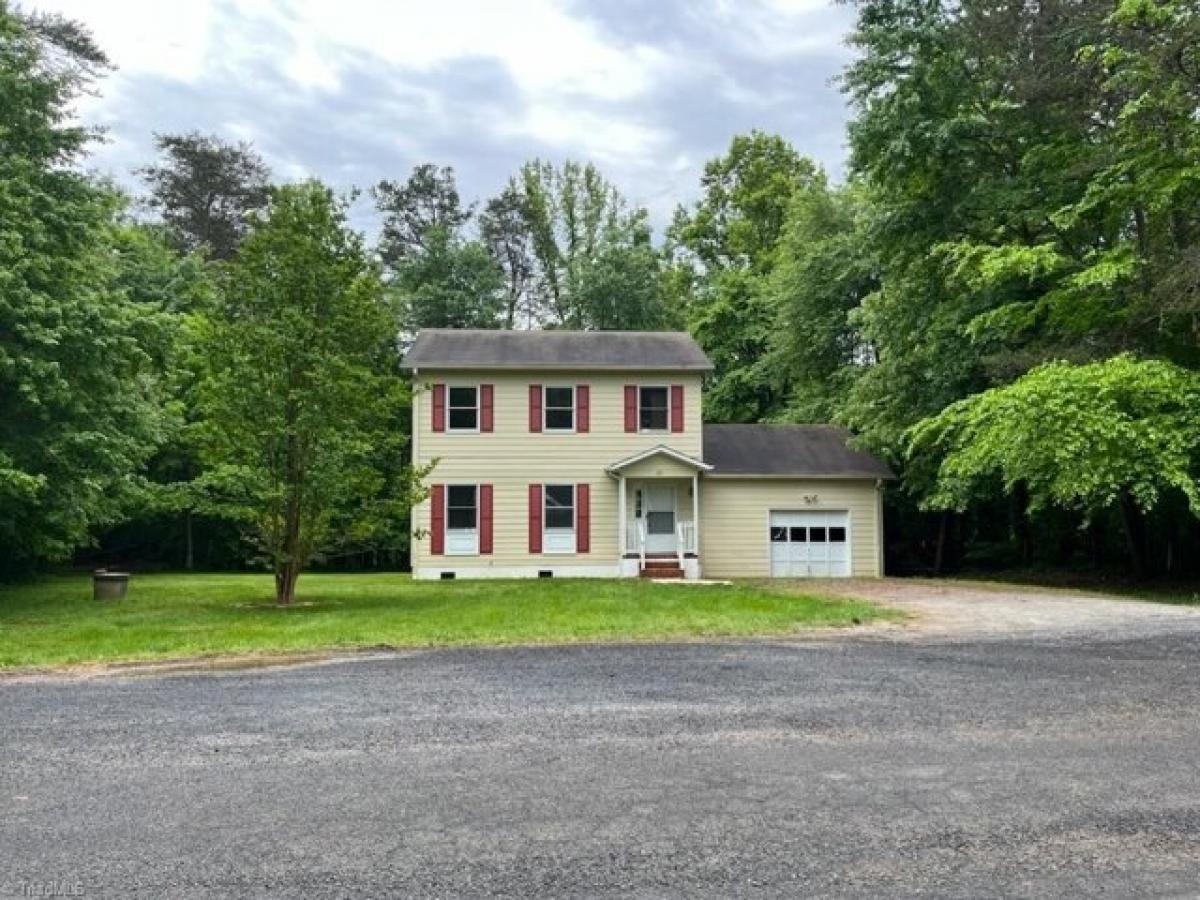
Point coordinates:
[[583, 408], [583, 518], [535, 518], [677, 407], [485, 518], [535, 407], [631, 407], [439, 407], [486, 398], [437, 520]]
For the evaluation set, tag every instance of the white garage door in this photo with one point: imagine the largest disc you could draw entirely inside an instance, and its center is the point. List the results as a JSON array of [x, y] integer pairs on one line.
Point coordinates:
[[809, 544]]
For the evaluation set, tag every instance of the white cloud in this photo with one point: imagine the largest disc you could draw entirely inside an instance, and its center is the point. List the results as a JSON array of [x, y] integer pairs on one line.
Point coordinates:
[[363, 89], [146, 36]]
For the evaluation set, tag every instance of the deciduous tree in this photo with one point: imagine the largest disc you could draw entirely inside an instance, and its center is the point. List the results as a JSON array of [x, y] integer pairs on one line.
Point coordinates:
[[301, 395], [79, 389]]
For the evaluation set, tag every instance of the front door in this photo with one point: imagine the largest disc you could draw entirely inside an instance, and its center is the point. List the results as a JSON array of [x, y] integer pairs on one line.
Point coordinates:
[[659, 509]]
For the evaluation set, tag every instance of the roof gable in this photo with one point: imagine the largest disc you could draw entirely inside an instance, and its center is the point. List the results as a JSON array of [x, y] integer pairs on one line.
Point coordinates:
[[450, 348], [657, 450]]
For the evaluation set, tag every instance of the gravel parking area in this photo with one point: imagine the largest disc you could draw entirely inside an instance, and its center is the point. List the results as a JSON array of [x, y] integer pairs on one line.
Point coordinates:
[[855, 766], [949, 609]]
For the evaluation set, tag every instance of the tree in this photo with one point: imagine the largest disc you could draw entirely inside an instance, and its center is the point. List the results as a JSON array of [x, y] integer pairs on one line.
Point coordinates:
[[154, 276], [1031, 170], [1123, 433], [442, 278], [503, 230], [451, 283], [412, 211], [79, 398], [621, 289], [205, 189], [301, 394], [728, 240], [825, 270], [584, 242]]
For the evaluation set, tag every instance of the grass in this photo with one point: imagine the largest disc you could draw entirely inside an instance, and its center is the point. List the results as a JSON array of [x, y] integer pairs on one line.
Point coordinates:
[[56, 622]]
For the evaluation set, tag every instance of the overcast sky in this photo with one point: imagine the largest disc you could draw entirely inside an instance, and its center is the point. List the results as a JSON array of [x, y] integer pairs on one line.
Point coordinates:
[[353, 91]]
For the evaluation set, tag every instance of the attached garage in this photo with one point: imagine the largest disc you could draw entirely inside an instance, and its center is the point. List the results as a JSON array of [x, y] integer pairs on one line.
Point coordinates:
[[809, 544], [789, 501]]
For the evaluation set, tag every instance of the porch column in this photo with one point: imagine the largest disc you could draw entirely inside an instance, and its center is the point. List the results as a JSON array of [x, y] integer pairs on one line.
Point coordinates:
[[621, 516], [696, 513]]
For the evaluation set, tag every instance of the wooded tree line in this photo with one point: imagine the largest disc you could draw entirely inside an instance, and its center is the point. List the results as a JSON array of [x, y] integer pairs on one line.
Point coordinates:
[[1002, 299]]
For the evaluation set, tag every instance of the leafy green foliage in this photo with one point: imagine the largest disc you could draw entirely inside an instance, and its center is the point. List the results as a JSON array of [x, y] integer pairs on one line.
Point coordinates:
[[301, 396], [1076, 436], [590, 263], [79, 396], [727, 244], [450, 283], [824, 273]]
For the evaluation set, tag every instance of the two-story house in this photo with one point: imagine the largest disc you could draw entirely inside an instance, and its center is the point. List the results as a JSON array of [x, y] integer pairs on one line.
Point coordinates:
[[560, 453]]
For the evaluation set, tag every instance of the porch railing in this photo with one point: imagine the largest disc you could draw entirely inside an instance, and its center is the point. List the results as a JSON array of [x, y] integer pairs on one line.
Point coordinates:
[[685, 533], [685, 539]]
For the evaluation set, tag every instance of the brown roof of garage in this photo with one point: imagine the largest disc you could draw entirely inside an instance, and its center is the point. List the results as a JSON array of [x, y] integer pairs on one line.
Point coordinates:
[[799, 450], [464, 348]]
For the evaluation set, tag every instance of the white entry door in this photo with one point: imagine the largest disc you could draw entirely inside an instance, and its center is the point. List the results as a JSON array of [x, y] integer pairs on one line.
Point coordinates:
[[809, 544], [658, 507]]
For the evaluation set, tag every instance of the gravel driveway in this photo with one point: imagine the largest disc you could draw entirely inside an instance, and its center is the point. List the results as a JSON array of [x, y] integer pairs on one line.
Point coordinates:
[[948, 609], [1057, 764]]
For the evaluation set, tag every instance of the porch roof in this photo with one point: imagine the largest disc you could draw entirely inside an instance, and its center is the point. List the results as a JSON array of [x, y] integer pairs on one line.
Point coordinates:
[[657, 450]]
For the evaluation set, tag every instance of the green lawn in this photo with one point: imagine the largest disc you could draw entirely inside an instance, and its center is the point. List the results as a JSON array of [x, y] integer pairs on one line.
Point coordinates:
[[56, 622]]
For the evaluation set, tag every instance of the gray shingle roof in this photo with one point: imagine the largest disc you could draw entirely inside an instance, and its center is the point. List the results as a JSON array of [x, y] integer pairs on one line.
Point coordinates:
[[801, 450], [445, 348]]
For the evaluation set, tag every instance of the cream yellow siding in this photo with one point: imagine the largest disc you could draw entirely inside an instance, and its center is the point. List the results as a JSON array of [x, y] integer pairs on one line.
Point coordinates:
[[734, 514], [511, 458]]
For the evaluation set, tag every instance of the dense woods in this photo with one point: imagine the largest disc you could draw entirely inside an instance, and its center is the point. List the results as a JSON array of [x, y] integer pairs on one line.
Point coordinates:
[[1002, 298]]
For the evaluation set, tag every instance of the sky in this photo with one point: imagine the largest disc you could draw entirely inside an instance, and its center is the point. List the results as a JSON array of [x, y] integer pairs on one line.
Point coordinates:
[[355, 91]]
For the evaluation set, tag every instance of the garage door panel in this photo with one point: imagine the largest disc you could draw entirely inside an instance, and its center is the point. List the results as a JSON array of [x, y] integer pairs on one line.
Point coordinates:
[[809, 544]]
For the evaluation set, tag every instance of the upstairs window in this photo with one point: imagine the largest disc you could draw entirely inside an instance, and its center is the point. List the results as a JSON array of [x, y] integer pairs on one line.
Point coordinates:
[[463, 408], [654, 409], [558, 409]]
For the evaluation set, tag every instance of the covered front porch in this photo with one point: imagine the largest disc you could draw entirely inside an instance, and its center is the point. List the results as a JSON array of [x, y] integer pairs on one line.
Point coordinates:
[[658, 515]]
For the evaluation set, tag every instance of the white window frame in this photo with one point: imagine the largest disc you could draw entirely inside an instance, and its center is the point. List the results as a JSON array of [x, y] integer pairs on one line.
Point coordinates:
[[461, 550], [555, 540], [546, 388], [667, 428], [478, 408]]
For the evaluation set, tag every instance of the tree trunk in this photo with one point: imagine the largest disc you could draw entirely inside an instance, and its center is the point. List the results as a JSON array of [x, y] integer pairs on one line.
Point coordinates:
[[1132, 521], [189, 553], [939, 558], [1020, 522], [285, 583]]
